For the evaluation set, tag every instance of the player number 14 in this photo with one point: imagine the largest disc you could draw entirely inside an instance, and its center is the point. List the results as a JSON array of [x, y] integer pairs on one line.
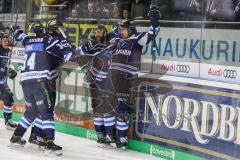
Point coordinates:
[[29, 62]]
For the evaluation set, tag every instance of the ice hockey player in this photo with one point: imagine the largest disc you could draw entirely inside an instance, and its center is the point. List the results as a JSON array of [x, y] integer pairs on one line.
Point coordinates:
[[36, 137], [53, 29], [95, 61], [6, 94], [34, 78], [126, 61]]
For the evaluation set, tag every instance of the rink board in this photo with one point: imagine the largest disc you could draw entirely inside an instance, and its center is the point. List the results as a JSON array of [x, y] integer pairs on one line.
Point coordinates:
[[208, 62], [74, 115], [196, 118]]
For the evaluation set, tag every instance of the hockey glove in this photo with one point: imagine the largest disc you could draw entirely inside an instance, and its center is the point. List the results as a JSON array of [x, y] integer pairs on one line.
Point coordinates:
[[16, 30], [154, 15], [91, 48]]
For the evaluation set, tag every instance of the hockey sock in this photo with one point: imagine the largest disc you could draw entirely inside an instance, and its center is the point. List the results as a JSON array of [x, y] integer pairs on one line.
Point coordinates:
[[99, 125], [22, 127], [7, 112], [122, 128], [37, 129], [48, 127], [109, 124]]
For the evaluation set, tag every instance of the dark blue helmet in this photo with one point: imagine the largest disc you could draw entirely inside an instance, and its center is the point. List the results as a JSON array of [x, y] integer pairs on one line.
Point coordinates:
[[35, 29]]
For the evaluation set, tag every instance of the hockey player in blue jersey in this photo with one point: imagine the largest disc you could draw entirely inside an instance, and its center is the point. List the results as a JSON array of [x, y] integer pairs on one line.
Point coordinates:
[[126, 61], [95, 61], [53, 29], [36, 137], [6, 94], [34, 78]]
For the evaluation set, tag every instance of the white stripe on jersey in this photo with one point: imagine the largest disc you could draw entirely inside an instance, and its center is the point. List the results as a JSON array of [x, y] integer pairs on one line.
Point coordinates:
[[122, 69], [2, 81], [100, 72], [56, 41], [125, 66], [97, 73], [35, 75], [53, 74], [22, 36], [142, 41]]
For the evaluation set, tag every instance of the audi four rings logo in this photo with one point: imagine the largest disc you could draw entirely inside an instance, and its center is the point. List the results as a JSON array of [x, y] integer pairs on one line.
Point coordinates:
[[227, 73], [183, 68]]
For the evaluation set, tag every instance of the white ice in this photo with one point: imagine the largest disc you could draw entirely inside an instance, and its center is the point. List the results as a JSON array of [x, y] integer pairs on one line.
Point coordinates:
[[74, 148]]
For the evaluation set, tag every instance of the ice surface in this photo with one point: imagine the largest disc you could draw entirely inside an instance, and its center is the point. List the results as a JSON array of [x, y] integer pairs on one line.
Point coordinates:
[[74, 148]]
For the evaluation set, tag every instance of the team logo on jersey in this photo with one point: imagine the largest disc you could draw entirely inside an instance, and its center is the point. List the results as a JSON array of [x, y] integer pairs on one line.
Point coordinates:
[[123, 52], [35, 40], [125, 44]]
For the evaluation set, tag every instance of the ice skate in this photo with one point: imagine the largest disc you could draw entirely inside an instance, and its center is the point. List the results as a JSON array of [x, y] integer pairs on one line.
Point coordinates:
[[123, 143], [35, 141], [17, 141], [52, 149], [10, 125]]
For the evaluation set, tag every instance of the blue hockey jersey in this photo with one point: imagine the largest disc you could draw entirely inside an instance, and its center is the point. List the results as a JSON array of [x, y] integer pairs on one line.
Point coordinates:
[[127, 54], [39, 55], [95, 57]]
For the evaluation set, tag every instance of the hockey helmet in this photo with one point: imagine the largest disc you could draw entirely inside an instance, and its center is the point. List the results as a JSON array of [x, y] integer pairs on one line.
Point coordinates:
[[55, 27], [35, 29], [129, 25]]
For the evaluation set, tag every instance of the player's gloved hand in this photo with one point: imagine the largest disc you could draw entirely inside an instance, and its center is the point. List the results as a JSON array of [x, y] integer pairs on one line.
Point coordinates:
[[115, 30], [11, 73], [67, 56], [154, 15], [91, 48], [16, 30]]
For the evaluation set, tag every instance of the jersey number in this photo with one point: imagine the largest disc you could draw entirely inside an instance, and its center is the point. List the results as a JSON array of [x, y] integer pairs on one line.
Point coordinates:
[[29, 62]]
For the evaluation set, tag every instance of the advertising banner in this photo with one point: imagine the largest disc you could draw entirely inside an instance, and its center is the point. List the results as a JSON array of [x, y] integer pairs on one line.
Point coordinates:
[[198, 53], [199, 119]]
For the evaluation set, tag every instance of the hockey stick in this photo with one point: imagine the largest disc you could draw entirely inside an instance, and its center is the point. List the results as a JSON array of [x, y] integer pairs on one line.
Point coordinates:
[[12, 44], [7, 57], [154, 44]]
